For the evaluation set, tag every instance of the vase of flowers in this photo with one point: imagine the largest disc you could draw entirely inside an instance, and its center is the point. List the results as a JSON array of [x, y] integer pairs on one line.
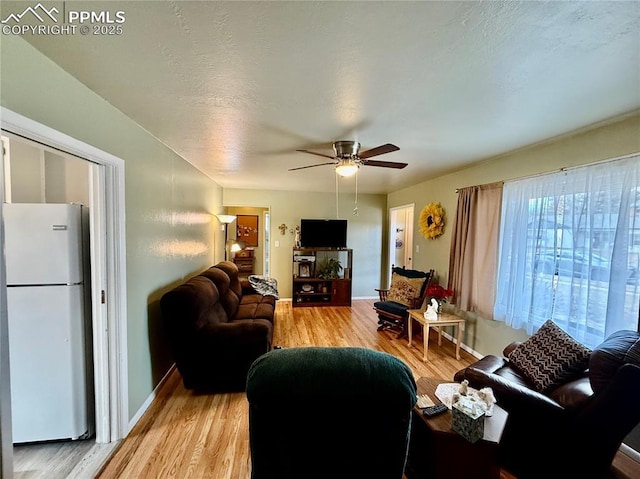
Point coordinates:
[[439, 293]]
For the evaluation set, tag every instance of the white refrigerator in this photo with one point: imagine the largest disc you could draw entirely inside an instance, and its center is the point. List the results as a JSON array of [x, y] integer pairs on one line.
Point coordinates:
[[47, 320]]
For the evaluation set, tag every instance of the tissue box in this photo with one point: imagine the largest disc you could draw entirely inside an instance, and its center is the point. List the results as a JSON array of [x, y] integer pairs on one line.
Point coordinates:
[[471, 427]]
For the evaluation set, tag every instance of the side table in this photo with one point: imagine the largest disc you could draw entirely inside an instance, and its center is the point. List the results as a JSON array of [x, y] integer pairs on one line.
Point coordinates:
[[444, 319], [245, 260], [437, 452]]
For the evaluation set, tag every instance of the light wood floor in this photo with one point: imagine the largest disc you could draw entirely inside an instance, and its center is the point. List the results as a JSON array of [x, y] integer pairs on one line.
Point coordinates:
[[185, 435], [60, 460]]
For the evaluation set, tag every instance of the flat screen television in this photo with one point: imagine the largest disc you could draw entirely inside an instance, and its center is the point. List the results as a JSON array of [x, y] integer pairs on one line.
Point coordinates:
[[319, 233]]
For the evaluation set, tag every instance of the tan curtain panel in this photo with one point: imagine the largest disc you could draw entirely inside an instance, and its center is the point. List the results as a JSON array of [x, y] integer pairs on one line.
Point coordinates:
[[473, 260]]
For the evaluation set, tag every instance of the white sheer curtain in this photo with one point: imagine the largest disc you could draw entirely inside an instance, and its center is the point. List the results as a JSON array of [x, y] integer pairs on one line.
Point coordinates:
[[570, 251]]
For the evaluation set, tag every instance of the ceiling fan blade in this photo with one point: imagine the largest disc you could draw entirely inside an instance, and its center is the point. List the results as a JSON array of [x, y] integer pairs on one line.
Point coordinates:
[[311, 166], [379, 150], [314, 153], [385, 164]]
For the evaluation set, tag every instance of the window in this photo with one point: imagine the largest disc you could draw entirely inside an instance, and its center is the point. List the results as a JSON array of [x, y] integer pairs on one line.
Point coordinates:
[[570, 251]]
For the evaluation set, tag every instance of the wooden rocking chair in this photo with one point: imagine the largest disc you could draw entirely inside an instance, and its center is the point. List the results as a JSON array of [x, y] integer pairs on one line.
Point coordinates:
[[408, 291]]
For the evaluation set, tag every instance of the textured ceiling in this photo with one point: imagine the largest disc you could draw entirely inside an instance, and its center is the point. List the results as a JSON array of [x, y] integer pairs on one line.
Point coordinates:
[[236, 87]]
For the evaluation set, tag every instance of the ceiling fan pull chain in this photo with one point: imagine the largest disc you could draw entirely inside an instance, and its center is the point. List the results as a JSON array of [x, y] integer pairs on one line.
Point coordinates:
[[337, 198], [355, 208]]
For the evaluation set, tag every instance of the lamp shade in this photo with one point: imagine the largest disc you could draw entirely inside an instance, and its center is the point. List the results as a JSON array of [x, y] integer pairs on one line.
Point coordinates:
[[237, 245], [226, 219]]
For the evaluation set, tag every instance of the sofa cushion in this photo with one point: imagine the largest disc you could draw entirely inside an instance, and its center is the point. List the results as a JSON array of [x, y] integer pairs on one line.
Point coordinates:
[[233, 272], [192, 306], [619, 348], [256, 307], [574, 395], [391, 307], [229, 298], [550, 357]]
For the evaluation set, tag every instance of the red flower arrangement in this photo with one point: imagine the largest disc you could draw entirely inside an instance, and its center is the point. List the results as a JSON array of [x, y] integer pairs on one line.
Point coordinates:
[[439, 292]]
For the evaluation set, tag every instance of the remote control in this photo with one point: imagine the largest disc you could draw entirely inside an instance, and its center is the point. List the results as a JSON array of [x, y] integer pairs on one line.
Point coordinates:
[[434, 410]]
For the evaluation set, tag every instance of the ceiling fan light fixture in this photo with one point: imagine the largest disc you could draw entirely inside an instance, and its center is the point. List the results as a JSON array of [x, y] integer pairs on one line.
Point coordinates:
[[347, 168], [346, 149]]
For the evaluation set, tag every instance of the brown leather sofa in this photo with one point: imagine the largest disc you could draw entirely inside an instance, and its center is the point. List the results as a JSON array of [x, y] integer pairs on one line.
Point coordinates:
[[217, 326], [575, 429]]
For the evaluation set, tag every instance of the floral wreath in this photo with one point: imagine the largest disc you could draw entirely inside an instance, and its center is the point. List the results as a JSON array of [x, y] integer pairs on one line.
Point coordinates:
[[432, 220]]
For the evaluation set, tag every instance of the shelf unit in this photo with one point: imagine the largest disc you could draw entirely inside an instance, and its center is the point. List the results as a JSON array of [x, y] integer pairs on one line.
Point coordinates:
[[245, 261], [310, 290]]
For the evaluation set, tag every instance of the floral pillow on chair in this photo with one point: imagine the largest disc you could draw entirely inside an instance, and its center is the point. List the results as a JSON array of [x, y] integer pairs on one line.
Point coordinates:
[[405, 290]]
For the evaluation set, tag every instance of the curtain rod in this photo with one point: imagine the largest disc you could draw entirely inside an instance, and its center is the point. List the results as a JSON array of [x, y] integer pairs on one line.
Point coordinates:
[[564, 168], [485, 185]]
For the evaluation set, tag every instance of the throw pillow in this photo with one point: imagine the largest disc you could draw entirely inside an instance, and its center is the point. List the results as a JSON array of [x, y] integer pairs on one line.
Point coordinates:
[[402, 292], [550, 357], [416, 283]]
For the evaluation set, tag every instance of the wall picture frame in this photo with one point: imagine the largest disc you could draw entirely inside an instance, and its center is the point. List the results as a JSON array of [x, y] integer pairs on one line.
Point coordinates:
[[247, 229], [304, 269]]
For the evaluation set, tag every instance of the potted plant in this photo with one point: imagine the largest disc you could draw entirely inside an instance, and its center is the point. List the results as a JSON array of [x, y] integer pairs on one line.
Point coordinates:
[[328, 268]]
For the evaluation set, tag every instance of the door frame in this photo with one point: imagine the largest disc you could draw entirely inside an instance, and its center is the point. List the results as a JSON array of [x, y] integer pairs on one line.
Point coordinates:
[[408, 212], [108, 261]]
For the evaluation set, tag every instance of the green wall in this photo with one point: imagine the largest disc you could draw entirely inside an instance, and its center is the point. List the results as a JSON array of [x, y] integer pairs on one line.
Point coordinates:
[[169, 231], [365, 231], [608, 140]]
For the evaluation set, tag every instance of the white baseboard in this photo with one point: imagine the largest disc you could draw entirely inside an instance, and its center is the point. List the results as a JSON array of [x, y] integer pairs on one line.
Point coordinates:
[[145, 405], [474, 353]]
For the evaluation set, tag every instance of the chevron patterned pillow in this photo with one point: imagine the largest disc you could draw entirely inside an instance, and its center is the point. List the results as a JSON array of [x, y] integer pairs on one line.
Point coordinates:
[[550, 357]]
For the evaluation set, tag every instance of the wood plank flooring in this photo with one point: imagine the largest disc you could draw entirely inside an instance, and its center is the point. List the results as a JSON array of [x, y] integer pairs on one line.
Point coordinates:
[[186, 435], [60, 460]]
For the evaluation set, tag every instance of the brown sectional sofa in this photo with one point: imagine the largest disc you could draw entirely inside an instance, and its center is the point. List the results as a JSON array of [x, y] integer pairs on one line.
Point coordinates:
[[217, 326]]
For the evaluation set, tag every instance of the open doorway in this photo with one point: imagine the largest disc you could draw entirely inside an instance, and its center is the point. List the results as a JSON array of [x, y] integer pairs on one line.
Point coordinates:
[[103, 190], [401, 237], [252, 228]]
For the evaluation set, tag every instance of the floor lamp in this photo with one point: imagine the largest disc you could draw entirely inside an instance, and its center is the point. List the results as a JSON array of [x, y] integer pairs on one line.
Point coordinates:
[[225, 220]]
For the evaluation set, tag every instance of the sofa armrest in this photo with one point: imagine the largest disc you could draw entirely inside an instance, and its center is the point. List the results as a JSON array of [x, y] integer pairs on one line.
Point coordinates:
[[382, 293], [511, 396], [246, 287], [489, 364], [510, 347]]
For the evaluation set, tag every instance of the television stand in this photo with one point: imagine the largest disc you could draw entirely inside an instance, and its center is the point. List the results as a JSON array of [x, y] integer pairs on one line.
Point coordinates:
[[314, 287]]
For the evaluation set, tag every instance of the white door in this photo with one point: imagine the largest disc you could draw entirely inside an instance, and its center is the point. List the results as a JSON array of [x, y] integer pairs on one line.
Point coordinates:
[[401, 237]]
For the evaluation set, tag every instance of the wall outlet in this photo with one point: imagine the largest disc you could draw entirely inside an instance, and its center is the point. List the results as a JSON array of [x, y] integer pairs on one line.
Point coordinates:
[[277, 244]]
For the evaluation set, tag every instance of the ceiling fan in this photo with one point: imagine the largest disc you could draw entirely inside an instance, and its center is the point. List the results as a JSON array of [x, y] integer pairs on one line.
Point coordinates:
[[347, 158]]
